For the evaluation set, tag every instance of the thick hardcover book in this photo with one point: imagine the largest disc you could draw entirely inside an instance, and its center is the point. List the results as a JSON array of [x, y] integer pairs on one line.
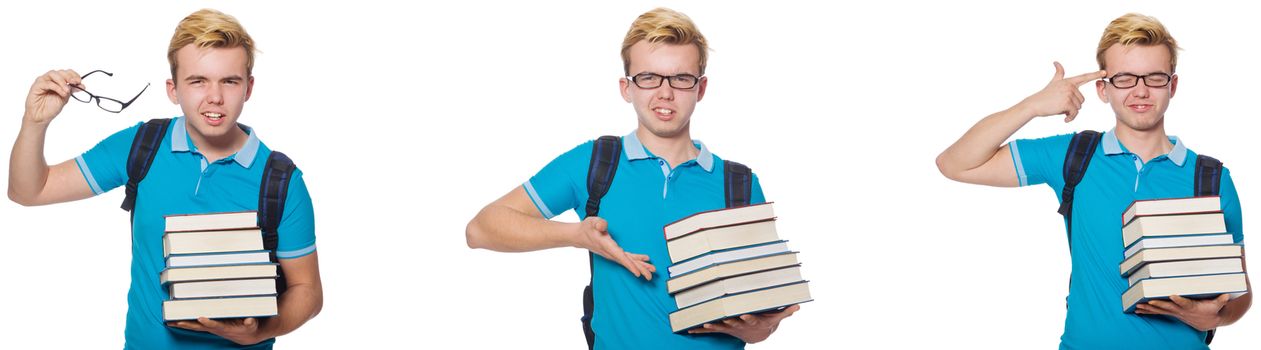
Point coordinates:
[[217, 259], [201, 242], [1187, 268], [211, 221], [236, 307], [720, 217], [223, 288], [719, 238], [1151, 255], [1172, 225], [728, 269], [754, 301], [212, 273], [727, 255], [1194, 287], [1171, 206], [1179, 241], [737, 284]]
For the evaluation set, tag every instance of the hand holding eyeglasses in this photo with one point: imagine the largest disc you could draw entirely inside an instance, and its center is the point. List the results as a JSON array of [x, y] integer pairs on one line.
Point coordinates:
[[51, 91]]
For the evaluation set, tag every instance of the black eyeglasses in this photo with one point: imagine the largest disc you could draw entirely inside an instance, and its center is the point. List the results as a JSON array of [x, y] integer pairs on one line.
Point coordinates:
[[653, 80], [1127, 80], [106, 103]]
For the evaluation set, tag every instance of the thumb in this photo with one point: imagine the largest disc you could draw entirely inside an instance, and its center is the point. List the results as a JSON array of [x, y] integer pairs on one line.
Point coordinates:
[[1059, 71]]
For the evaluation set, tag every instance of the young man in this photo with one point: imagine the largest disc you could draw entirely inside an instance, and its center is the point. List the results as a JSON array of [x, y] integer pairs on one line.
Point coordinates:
[[662, 175], [1136, 160], [206, 163]]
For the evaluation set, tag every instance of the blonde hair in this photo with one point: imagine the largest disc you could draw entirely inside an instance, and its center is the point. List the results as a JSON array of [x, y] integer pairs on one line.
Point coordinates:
[[210, 28], [664, 26], [1137, 29]]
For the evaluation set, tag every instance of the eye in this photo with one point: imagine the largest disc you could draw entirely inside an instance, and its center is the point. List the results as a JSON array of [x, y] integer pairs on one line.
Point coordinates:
[[647, 78]]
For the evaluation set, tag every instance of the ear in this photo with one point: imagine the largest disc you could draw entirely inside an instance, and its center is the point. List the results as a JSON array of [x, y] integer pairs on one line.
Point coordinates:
[[170, 91], [249, 88], [624, 86], [1099, 88], [700, 92], [1173, 86]]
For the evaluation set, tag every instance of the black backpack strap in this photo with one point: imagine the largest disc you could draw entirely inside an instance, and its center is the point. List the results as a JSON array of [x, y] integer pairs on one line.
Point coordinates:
[[143, 149], [1208, 182], [1080, 150], [271, 206], [605, 155], [738, 183], [1208, 176]]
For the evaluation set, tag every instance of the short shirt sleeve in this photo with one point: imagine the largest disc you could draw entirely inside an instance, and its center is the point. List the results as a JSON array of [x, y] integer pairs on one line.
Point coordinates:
[[1230, 206], [297, 224], [559, 186], [104, 167], [1040, 161], [756, 197]]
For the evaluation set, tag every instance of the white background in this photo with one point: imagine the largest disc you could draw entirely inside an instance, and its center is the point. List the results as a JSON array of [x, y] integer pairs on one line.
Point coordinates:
[[408, 118]]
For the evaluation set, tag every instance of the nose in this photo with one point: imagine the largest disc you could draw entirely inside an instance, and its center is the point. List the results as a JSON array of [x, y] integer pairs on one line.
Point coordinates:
[[1141, 90], [665, 92], [214, 95]]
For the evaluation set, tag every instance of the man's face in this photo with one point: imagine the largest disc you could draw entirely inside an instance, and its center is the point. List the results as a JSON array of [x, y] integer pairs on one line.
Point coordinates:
[[210, 85], [1140, 107], [664, 111]]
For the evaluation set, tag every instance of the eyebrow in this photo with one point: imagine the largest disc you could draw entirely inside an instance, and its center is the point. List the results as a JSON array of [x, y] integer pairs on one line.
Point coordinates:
[[202, 77]]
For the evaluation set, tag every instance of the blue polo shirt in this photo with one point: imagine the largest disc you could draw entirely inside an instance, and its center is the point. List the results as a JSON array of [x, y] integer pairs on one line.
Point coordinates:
[[1115, 178], [646, 194], [181, 181]]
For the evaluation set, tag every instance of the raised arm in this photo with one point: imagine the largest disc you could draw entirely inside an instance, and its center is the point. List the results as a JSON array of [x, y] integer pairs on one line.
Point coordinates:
[[512, 224], [979, 156], [31, 180]]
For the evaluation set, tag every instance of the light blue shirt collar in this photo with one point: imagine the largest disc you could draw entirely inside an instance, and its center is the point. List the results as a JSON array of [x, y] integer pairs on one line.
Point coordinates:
[[180, 142], [635, 150], [1112, 146]]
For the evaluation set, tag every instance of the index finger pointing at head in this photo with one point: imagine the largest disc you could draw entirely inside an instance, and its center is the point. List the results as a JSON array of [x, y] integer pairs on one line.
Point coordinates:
[[1088, 77]]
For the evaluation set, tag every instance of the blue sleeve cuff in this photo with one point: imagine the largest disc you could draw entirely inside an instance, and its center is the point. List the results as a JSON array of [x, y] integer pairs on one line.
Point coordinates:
[[292, 254], [1020, 167], [538, 202], [87, 175]]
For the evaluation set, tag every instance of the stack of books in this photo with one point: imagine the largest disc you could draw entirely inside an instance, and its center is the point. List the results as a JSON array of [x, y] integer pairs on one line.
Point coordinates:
[[216, 267], [730, 262], [1179, 247]]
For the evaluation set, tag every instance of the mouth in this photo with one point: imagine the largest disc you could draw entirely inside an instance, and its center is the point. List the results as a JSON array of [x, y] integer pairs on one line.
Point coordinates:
[[664, 113], [1140, 107], [212, 118]]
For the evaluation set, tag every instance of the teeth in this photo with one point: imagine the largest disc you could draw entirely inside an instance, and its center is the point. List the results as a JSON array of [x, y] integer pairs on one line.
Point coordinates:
[[213, 115], [664, 111]]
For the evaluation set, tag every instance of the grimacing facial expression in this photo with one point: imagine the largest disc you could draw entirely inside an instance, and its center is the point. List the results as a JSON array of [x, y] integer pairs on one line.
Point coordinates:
[[211, 86], [1140, 107], [664, 111]]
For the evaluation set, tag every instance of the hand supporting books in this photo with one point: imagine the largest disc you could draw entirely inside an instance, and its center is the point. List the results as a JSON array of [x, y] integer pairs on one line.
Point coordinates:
[[593, 235], [751, 328], [241, 331], [1199, 314]]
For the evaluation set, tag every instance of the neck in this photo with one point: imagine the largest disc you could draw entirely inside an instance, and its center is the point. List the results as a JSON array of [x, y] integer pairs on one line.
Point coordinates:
[[216, 148], [1147, 144], [675, 150]]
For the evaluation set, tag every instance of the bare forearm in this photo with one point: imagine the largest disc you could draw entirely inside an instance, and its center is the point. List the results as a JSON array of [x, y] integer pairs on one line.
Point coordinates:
[[28, 171], [1235, 309], [299, 304], [501, 228], [979, 143]]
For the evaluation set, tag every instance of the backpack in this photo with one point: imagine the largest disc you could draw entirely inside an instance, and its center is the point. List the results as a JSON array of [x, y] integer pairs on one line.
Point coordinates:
[[1208, 176], [605, 154], [273, 190]]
